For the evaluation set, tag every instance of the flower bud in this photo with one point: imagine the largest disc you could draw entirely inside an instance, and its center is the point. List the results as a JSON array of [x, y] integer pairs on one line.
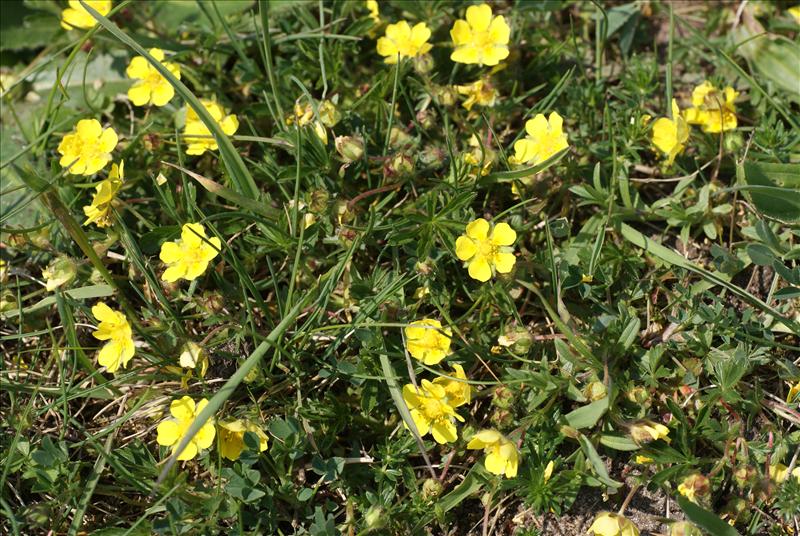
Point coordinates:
[[350, 148], [59, 272], [399, 139], [400, 165], [694, 487], [431, 488], [684, 528], [645, 431], [319, 201], [423, 64], [595, 391], [328, 113]]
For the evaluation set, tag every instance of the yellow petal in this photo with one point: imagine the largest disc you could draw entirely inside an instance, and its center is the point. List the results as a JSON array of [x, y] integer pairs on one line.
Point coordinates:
[[469, 54], [173, 273], [504, 262], [420, 33], [139, 93], [478, 229], [479, 269], [157, 53], [537, 127], [89, 129], [110, 356], [494, 463], [187, 453], [138, 68], [103, 312], [503, 234], [444, 431], [162, 93], [108, 141], [460, 33], [465, 248], [230, 125], [205, 436], [499, 31], [479, 17], [171, 252], [421, 422], [168, 433], [492, 55], [182, 409]]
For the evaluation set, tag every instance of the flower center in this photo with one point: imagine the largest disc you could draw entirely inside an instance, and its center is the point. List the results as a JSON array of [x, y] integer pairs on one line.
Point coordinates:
[[487, 249]]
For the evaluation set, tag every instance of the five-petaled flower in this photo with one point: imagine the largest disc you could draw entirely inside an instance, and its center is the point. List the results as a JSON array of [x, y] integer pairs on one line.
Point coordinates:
[[196, 133], [670, 135], [712, 109], [480, 92], [76, 16], [486, 250], [172, 431], [457, 390], [545, 139], [427, 340], [481, 39], [188, 257], [610, 524], [231, 437], [502, 456], [403, 40], [99, 211], [150, 86], [87, 149], [115, 329], [431, 411]]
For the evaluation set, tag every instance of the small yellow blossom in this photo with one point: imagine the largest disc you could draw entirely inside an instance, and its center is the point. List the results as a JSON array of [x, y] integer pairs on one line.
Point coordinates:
[[502, 456], [231, 437], [480, 92], [403, 40], [99, 212], [115, 329], [431, 411], [193, 356], [609, 524], [87, 149], [458, 392], [172, 431], [188, 257], [151, 87], [196, 132], [427, 340], [76, 16], [712, 109], [643, 460], [795, 13], [59, 272], [794, 390], [3, 271], [486, 250], [548, 470], [481, 39], [545, 139], [694, 486], [374, 12], [304, 115], [780, 472], [646, 430], [670, 135], [476, 155]]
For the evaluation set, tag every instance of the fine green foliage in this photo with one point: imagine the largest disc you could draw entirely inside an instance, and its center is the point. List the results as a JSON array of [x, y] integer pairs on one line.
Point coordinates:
[[363, 268]]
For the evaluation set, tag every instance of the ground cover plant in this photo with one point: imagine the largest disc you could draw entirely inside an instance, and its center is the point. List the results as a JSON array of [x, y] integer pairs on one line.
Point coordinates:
[[396, 267]]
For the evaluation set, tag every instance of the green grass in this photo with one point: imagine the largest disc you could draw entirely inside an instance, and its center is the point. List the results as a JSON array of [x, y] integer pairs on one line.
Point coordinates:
[[640, 291]]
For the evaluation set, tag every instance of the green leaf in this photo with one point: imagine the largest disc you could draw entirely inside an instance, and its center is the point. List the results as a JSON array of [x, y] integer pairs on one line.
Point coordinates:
[[708, 521], [597, 462], [787, 293], [233, 162], [588, 415], [760, 254], [774, 189], [82, 293], [618, 442]]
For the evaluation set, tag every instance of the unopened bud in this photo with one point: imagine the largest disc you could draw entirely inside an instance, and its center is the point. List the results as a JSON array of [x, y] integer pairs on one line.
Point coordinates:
[[350, 148], [59, 272]]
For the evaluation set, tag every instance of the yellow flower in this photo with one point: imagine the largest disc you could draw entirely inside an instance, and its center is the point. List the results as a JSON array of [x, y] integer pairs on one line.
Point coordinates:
[[192, 356], [643, 460], [59, 272], [76, 16], [458, 392], [608, 524], [548, 471], [645, 431], [475, 155], [115, 329], [188, 257], [670, 135], [780, 472], [794, 390], [545, 139], [502, 456], [480, 92], [481, 39], [172, 431], [795, 12], [712, 109], [87, 149], [486, 250], [404, 40], [374, 13], [196, 132], [231, 437], [431, 411], [99, 212], [151, 87], [694, 486], [427, 340]]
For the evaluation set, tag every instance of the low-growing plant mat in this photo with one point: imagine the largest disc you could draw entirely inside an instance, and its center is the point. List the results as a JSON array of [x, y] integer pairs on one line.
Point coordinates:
[[399, 267]]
